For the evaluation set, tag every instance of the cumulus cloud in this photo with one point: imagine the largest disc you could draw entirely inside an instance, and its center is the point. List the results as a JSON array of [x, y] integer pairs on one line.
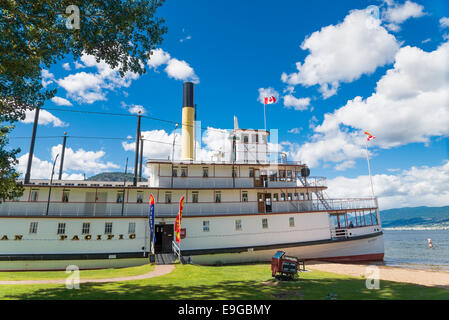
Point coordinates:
[[76, 162], [89, 87], [47, 77], [444, 22], [176, 69], [410, 104], [344, 52], [299, 104], [295, 130], [61, 101], [417, 186], [66, 66], [398, 13], [45, 118]]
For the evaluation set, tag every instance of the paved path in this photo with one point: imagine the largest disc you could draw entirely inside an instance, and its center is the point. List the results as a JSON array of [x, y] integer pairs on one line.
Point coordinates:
[[422, 277], [159, 270]]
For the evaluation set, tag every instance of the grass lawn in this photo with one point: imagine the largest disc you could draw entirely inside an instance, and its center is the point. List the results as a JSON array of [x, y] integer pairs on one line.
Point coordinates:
[[84, 274], [230, 283]]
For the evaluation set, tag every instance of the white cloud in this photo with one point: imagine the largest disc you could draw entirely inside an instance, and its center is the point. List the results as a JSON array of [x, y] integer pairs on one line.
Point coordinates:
[[397, 14], [66, 66], [80, 160], [136, 109], [444, 22], [61, 101], [47, 77], [410, 104], [45, 118], [267, 92], [344, 52], [299, 104], [181, 70], [158, 58], [295, 130], [90, 87], [176, 69], [416, 186], [184, 39]]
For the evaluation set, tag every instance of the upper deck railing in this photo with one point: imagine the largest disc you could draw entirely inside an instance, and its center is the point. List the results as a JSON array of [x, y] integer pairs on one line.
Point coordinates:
[[25, 208]]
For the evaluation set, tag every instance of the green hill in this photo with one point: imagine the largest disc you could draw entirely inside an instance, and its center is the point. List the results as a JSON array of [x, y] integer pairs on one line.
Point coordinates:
[[415, 216], [113, 176]]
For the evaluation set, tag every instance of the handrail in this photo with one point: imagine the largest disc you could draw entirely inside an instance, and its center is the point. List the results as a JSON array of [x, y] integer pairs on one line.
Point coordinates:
[[176, 250]]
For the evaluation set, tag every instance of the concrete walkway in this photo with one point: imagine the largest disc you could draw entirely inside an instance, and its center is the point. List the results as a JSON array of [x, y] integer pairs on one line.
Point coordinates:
[[159, 270]]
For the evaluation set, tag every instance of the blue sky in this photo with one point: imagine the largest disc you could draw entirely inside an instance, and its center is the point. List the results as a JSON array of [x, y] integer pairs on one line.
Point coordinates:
[[234, 49]]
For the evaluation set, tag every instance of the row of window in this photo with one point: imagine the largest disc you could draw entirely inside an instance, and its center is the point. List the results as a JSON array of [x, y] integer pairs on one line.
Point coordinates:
[[255, 138], [85, 228], [275, 175], [239, 227]]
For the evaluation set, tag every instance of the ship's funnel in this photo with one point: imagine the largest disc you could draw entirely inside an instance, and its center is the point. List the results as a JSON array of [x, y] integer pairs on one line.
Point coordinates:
[[188, 115]]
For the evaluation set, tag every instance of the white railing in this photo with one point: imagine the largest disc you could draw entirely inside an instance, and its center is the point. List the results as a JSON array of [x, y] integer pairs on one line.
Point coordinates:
[[19, 208]]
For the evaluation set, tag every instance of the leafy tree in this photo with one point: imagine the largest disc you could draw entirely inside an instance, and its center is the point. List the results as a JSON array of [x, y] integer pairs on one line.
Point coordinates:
[[8, 186], [38, 33]]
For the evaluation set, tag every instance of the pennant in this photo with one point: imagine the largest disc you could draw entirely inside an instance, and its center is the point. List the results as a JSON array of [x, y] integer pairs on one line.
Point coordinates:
[[178, 221], [370, 136]]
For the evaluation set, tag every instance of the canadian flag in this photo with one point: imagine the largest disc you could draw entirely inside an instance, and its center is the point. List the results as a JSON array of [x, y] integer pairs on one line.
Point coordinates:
[[269, 100]]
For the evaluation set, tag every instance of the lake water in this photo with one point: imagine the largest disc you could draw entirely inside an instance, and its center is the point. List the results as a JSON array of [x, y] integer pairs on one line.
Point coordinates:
[[409, 248]]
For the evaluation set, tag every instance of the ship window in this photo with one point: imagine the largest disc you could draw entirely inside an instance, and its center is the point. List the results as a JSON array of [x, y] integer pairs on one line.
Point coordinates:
[[195, 196], [183, 171], [282, 196], [291, 221], [217, 196], [168, 197], [34, 195], [296, 195], [251, 172], [302, 196], [139, 197], [255, 138], [275, 197], [244, 196], [273, 175], [245, 139], [234, 172], [205, 226], [86, 228], [265, 223], [65, 196], [108, 228], [61, 228], [33, 227], [289, 175], [282, 175], [132, 227], [175, 172], [119, 197], [205, 172], [238, 225], [289, 196]]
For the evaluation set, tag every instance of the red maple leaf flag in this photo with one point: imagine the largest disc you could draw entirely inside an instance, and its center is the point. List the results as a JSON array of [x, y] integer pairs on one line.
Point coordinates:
[[269, 100]]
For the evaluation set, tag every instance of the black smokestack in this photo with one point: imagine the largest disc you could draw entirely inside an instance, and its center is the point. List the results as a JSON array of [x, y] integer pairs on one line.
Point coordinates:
[[187, 98]]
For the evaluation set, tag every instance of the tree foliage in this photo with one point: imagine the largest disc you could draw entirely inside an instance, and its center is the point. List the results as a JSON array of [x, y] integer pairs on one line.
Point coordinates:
[[36, 34]]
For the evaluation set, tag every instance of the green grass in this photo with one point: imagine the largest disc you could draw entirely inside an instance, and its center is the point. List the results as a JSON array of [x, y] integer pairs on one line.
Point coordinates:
[[228, 283], [84, 274]]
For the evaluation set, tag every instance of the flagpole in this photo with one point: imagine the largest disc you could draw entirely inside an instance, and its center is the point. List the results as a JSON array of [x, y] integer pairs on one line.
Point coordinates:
[[369, 168], [264, 116]]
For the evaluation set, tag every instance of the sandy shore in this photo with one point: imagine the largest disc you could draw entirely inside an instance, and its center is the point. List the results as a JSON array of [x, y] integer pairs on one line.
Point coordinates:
[[422, 277]]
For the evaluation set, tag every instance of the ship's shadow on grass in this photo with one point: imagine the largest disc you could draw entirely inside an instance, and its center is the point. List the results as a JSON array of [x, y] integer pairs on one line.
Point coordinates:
[[302, 289]]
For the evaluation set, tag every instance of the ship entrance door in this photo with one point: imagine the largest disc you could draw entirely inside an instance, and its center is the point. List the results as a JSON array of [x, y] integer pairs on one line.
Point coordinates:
[[264, 202], [257, 178], [164, 238]]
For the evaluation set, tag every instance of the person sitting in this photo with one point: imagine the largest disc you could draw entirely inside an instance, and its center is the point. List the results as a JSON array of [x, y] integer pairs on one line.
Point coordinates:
[[351, 225]]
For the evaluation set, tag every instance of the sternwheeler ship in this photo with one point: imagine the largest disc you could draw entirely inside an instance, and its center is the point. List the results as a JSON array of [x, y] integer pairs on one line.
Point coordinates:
[[241, 207]]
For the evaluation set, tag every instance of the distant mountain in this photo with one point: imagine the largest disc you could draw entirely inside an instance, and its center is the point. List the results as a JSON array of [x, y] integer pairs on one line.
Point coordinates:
[[415, 217], [113, 176]]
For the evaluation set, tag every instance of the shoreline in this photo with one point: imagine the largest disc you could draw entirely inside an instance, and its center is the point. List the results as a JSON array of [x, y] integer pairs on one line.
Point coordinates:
[[428, 278]]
